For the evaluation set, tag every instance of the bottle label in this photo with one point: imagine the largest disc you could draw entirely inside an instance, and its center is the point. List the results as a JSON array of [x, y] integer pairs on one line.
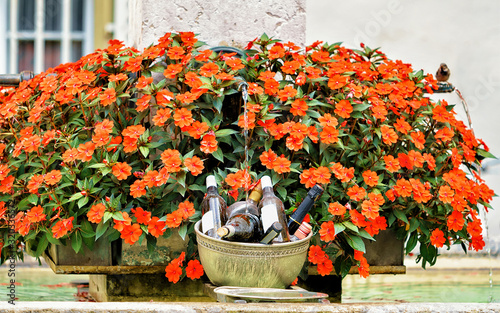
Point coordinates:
[[269, 215], [207, 222]]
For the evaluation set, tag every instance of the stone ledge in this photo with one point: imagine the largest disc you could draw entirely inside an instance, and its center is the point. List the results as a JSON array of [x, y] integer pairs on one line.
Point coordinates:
[[196, 307]]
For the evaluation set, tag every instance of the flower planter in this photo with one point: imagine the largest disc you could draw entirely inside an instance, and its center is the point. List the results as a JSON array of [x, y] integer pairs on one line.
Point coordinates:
[[165, 250], [100, 255]]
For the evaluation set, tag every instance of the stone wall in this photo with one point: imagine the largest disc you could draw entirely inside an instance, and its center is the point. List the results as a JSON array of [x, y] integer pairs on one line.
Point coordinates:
[[229, 23]]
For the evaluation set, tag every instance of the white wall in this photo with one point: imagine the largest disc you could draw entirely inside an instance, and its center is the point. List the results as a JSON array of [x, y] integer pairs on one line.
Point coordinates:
[[464, 34]]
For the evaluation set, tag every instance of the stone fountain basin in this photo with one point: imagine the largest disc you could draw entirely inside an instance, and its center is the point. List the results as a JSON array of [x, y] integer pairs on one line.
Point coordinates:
[[241, 264]]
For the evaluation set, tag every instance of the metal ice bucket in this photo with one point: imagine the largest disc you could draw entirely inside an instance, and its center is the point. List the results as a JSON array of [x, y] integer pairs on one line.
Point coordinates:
[[241, 264]]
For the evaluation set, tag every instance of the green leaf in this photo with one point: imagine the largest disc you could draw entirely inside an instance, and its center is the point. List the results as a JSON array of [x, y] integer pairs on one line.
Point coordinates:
[[401, 215], [97, 165], [83, 201], [51, 239], [86, 229], [118, 216], [107, 216], [144, 151], [350, 225], [485, 154], [361, 106], [76, 196], [414, 223], [218, 154], [101, 229], [225, 132], [338, 228], [33, 199], [76, 241], [183, 231], [42, 245], [355, 242]]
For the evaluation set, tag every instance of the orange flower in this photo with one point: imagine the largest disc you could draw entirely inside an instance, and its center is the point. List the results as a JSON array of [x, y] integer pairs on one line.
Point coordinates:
[[32, 143], [437, 238], [403, 188], [281, 165], [163, 97], [121, 170], [183, 117], [271, 86], [107, 97], [446, 194], [364, 268], [120, 224], [276, 52], [143, 82], [186, 208], [235, 64], [174, 219], [133, 131], [208, 143], [173, 272], [299, 107], [336, 209], [455, 221], [194, 269], [377, 198], [402, 126], [325, 267], [287, 92], [175, 53], [194, 165], [343, 108], [237, 180], [192, 80], [391, 164], [316, 255], [133, 64], [328, 120], [161, 116], [131, 233], [247, 121], [156, 228], [322, 175], [142, 103], [52, 177], [370, 209], [327, 231], [209, 69], [444, 135], [129, 144], [356, 193], [267, 158], [329, 135], [474, 228], [337, 81], [113, 143], [171, 159], [100, 139], [307, 178], [370, 178], [389, 136], [293, 143], [96, 213], [289, 67], [62, 227], [418, 139], [138, 188], [143, 217], [35, 183], [85, 151], [35, 214]]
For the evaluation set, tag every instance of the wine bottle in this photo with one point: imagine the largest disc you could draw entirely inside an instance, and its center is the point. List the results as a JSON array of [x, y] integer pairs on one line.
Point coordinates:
[[249, 205], [296, 218], [272, 210], [243, 227], [213, 208], [271, 233], [301, 233]]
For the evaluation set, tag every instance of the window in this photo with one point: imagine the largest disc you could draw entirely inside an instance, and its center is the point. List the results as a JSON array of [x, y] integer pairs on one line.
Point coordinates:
[[38, 34]]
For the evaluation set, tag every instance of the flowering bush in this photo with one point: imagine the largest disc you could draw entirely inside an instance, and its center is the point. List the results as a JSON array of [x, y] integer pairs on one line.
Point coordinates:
[[118, 145]]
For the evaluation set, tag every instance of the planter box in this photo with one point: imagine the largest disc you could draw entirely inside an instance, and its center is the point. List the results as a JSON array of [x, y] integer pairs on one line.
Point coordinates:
[[100, 255], [386, 250], [166, 249]]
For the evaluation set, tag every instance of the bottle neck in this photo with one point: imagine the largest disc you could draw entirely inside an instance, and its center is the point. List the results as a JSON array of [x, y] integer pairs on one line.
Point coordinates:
[[267, 191], [212, 190]]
